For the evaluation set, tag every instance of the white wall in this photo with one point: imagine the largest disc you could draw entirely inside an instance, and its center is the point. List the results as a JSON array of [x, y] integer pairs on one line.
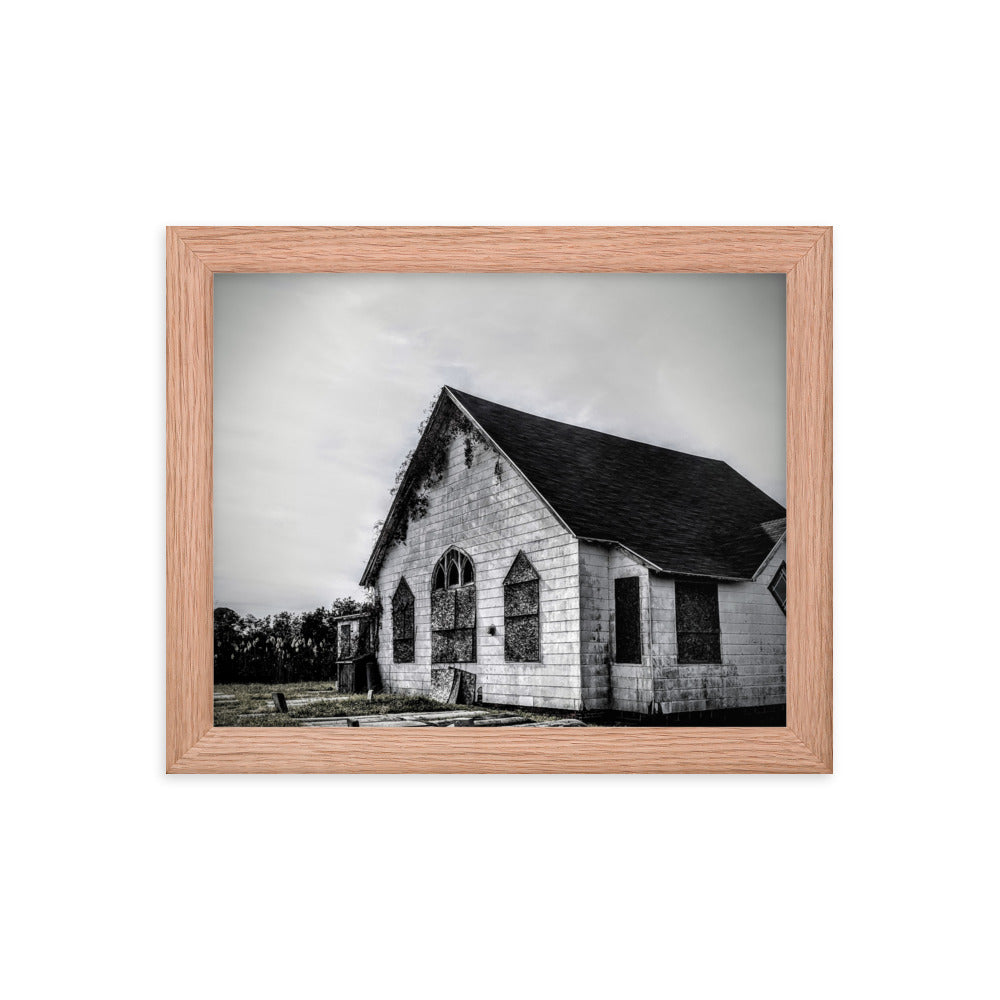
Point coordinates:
[[608, 684], [752, 643], [490, 521], [752, 672], [874, 881], [596, 635]]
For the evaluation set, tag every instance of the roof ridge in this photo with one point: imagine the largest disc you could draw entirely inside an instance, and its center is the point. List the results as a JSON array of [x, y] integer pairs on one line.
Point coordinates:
[[590, 430]]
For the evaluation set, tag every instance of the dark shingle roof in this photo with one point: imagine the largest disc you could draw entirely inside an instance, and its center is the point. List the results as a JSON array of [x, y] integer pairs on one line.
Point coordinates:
[[682, 513]]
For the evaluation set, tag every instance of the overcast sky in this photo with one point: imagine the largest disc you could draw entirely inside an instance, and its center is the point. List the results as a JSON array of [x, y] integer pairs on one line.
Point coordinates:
[[322, 380]]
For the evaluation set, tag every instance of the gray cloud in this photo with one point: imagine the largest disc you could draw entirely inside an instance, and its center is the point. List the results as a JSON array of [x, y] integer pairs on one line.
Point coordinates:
[[321, 380]]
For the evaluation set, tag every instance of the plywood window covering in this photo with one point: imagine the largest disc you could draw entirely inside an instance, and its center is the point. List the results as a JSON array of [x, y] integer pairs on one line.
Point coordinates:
[[778, 586], [402, 623], [453, 609], [520, 612], [628, 643], [697, 622]]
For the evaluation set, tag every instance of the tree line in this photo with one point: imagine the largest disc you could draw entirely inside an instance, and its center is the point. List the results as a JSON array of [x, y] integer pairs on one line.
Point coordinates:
[[279, 648]]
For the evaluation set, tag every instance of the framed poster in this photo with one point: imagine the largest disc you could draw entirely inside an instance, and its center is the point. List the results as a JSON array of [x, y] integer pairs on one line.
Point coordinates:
[[598, 555]]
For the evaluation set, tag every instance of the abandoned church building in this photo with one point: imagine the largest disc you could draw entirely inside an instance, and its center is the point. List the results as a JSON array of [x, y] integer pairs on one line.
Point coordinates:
[[563, 568]]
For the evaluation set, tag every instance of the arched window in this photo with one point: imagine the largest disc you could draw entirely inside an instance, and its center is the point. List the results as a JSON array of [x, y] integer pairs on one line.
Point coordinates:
[[402, 623], [453, 609], [454, 569], [520, 612]]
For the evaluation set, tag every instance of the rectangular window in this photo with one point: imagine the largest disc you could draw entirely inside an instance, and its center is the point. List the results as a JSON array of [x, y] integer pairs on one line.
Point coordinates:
[[628, 646], [697, 622]]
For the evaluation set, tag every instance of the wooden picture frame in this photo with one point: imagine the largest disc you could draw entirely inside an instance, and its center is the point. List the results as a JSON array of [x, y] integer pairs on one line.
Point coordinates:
[[802, 253]]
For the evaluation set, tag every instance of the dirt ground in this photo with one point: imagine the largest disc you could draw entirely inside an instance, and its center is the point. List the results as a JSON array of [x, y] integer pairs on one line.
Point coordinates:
[[317, 703]]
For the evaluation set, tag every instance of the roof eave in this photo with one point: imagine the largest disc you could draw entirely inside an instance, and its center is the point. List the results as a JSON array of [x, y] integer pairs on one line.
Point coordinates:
[[368, 577], [381, 545], [654, 568], [774, 548], [635, 555]]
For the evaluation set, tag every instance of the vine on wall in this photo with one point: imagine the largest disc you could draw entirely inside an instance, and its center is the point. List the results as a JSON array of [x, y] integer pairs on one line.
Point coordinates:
[[429, 467]]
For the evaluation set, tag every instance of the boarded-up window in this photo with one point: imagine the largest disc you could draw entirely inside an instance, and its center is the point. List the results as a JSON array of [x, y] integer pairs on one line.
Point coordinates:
[[402, 623], [520, 613], [697, 622], [453, 609], [628, 646], [778, 586]]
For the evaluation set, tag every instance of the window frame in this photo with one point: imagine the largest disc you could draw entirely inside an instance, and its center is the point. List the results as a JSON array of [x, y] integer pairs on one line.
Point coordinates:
[[454, 561]]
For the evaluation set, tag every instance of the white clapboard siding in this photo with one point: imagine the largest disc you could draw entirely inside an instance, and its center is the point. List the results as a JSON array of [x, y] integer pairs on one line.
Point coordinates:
[[490, 521], [606, 684], [752, 642]]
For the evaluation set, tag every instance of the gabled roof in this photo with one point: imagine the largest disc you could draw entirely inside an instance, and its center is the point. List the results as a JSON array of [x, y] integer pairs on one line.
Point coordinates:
[[680, 513]]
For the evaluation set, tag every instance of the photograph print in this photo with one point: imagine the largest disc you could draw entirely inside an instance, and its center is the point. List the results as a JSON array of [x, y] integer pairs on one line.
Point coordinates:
[[518, 500]]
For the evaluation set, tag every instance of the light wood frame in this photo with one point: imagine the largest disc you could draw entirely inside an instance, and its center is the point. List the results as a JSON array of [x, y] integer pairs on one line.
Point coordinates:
[[802, 253]]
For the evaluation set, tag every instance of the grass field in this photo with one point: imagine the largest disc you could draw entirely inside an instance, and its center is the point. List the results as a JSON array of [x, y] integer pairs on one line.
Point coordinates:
[[252, 704]]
